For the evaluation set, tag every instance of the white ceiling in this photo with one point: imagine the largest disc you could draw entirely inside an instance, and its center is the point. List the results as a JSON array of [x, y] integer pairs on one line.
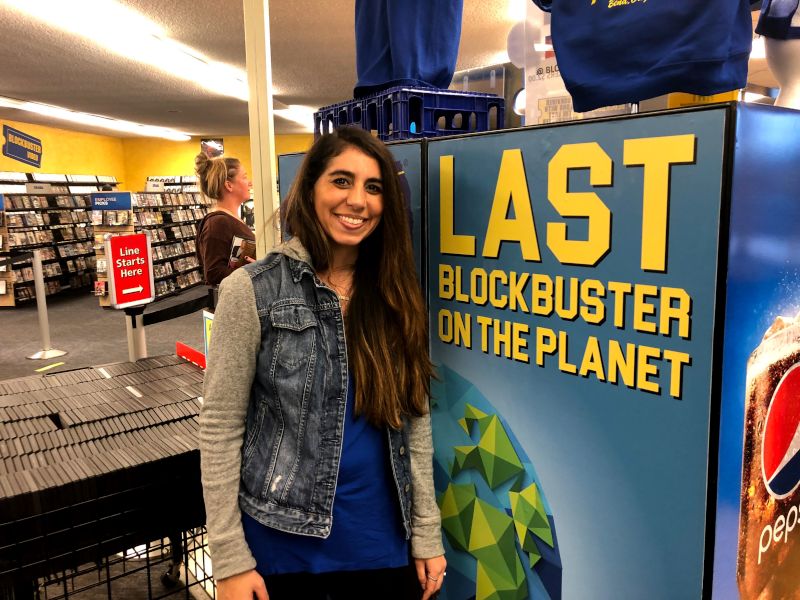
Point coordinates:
[[313, 61], [313, 57]]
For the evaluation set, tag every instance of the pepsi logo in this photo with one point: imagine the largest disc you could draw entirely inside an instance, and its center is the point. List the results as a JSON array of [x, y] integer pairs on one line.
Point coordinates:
[[780, 444]]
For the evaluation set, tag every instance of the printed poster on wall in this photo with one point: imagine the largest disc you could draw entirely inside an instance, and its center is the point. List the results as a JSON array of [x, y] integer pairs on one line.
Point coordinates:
[[572, 276], [22, 147]]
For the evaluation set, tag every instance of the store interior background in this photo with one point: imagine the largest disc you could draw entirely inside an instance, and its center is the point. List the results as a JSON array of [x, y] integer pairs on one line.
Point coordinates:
[[313, 65]]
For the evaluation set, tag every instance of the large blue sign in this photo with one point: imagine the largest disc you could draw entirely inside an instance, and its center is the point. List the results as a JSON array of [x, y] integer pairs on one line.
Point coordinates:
[[22, 147], [288, 166], [409, 166], [572, 289], [111, 201]]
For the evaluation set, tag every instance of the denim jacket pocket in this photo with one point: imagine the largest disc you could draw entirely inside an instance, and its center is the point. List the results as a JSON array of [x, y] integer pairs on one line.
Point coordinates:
[[295, 325]]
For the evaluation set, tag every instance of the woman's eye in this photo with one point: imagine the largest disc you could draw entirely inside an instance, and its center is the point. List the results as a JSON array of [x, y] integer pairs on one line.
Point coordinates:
[[374, 189], [340, 181]]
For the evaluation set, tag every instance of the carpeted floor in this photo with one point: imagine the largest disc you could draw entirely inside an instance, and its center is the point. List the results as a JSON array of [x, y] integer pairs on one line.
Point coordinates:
[[91, 335], [94, 336]]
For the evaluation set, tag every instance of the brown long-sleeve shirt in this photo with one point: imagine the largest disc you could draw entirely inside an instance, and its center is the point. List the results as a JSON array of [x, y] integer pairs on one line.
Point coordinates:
[[214, 239]]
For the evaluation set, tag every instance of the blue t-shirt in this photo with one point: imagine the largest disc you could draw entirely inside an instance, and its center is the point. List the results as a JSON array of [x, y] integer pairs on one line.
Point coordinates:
[[617, 51], [367, 530]]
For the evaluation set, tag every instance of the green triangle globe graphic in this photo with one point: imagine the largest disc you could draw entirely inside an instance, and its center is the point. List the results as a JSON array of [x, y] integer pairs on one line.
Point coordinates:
[[500, 536]]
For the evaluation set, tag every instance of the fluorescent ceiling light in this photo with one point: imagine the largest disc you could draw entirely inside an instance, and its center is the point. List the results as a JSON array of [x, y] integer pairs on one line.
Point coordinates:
[[543, 47], [130, 34], [64, 114], [304, 115]]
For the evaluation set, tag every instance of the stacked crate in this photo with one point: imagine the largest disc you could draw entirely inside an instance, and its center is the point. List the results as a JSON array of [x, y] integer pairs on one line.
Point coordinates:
[[403, 113]]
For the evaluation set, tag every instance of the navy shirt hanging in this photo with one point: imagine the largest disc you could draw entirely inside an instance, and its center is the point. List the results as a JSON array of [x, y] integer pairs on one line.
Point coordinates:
[[618, 51]]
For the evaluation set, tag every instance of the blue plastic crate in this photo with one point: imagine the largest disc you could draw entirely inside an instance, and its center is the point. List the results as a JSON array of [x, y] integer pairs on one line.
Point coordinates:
[[404, 113]]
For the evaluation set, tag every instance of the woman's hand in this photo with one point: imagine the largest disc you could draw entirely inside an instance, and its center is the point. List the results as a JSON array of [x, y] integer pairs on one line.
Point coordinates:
[[430, 572], [242, 587]]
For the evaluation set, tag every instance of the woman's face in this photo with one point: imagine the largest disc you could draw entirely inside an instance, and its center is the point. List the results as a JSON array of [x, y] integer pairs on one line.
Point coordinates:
[[348, 198], [239, 186]]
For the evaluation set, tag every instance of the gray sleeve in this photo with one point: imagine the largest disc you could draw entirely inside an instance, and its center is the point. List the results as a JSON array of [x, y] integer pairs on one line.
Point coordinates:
[[426, 522], [231, 364]]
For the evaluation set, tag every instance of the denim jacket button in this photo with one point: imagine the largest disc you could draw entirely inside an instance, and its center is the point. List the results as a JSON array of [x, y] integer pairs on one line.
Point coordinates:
[[407, 487], [402, 450]]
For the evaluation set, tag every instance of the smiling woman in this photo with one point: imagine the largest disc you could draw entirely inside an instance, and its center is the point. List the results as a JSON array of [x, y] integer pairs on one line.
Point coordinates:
[[316, 395], [225, 181], [348, 202]]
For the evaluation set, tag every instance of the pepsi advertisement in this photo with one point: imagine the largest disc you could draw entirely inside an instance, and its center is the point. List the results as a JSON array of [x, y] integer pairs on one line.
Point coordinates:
[[757, 546], [572, 285]]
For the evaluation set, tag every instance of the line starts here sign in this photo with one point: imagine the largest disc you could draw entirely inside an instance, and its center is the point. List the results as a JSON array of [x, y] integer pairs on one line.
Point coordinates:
[[130, 270]]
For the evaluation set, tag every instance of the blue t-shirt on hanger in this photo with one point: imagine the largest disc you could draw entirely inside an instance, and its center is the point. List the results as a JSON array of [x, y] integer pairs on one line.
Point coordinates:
[[618, 51]]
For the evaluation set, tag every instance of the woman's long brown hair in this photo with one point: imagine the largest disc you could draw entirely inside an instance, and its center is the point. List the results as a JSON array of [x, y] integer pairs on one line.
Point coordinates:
[[387, 323]]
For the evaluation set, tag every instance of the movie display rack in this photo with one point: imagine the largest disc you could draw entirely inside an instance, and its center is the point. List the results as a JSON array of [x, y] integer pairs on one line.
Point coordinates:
[[113, 222], [171, 218], [99, 461], [6, 273], [12, 182], [176, 183], [48, 212], [57, 224]]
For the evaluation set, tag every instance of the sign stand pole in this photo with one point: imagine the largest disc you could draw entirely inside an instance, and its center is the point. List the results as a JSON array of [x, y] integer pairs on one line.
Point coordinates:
[[41, 307], [130, 278], [134, 326]]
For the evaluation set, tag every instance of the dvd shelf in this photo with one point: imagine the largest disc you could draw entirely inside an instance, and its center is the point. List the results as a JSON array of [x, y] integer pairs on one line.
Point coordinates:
[[53, 183], [13, 182], [175, 183], [6, 274], [116, 219], [171, 218], [59, 226]]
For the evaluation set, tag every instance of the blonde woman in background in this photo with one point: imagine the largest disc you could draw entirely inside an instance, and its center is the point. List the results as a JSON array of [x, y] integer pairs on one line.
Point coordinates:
[[225, 181]]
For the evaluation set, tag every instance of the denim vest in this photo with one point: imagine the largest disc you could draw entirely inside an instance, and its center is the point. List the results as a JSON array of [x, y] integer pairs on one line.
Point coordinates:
[[295, 418]]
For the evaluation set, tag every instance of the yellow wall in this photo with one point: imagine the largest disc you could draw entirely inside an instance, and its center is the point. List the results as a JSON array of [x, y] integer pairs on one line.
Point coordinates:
[[130, 160], [149, 156], [152, 156], [70, 152], [286, 144]]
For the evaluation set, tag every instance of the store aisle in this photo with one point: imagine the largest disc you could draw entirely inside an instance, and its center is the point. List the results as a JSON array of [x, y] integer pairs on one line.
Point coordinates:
[[91, 335]]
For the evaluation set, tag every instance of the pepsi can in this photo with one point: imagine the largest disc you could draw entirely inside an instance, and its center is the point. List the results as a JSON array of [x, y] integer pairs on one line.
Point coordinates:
[[768, 565]]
